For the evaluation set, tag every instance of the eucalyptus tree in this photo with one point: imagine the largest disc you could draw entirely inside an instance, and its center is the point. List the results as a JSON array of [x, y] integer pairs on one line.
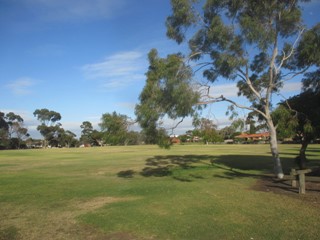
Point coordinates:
[[12, 130], [67, 138], [50, 126], [4, 127], [86, 132], [14, 122], [247, 41]]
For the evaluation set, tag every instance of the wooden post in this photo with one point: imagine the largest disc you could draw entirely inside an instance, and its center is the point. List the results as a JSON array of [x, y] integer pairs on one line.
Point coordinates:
[[302, 183], [294, 175], [299, 175]]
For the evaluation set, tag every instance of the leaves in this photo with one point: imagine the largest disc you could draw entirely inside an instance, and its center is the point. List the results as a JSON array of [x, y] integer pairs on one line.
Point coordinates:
[[168, 91], [182, 18], [46, 116], [114, 127]]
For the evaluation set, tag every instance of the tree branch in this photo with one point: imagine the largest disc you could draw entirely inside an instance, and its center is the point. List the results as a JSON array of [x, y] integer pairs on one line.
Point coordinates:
[[223, 99], [248, 81], [291, 51]]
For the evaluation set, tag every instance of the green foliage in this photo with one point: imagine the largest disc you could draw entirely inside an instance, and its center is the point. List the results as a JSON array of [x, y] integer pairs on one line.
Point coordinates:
[[307, 108], [89, 135], [207, 130], [311, 81], [299, 117], [224, 30], [286, 122], [50, 128], [12, 130], [46, 116], [114, 128], [182, 14], [308, 54], [308, 51], [168, 91]]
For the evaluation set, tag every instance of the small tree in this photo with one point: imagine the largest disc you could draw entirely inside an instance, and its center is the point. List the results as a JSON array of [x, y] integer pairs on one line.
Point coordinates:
[[66, 138], [114, 128], [207, 130], [299, 116]]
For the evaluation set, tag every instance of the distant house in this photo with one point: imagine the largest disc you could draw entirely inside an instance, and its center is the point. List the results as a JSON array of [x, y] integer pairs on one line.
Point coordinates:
[[254, 137], [196, 139], [228, 141], [85, 145], [175, 140]]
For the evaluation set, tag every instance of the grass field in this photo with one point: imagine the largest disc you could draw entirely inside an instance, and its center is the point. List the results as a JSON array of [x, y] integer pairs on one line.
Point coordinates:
[[144, 192]]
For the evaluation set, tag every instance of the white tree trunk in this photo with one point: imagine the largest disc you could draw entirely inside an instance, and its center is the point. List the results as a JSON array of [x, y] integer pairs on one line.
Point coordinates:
[[277, 167]]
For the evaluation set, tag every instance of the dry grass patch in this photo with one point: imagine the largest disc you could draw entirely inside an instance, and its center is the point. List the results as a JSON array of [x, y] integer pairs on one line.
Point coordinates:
[[55, 224]]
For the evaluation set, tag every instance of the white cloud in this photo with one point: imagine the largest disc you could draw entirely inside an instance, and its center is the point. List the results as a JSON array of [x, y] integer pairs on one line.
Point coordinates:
[[227, 90], [231, 90], [118, 70], [21, 86], [62, 10], [292, 87]]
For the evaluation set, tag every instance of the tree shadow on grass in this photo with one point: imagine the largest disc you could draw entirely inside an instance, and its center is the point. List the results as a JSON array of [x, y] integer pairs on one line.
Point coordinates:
[[160, 166], [233, 166], [126, 174], [187, 168]]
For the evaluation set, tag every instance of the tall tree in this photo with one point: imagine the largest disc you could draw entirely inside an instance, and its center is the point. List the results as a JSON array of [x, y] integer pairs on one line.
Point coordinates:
[[246, 40], [86, 132], [50, 126]]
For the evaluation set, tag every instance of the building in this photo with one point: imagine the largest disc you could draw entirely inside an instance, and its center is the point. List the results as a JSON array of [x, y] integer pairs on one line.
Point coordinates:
[[256, 137]]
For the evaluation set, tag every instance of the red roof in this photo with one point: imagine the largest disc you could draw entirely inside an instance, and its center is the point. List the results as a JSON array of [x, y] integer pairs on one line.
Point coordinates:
[[255, 135]]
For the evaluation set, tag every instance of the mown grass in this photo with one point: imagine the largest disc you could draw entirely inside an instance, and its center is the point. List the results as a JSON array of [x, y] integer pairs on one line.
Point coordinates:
[[143, 192]]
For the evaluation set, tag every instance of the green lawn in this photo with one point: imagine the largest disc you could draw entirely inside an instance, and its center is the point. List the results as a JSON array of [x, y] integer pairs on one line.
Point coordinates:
[[144, 192]]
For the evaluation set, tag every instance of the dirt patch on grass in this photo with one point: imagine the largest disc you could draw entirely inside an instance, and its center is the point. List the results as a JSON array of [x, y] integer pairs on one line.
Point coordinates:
[[283, 186], [99, 202]]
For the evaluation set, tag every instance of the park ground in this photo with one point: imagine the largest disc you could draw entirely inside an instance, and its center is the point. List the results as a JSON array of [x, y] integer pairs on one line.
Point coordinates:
[[144, 192]]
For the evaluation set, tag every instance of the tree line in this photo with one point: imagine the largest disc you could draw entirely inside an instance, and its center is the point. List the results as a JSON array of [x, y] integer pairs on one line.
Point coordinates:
[[114, 130]]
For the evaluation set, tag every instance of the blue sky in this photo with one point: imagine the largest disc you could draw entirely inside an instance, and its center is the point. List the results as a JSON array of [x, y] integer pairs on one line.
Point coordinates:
[[84, 58]]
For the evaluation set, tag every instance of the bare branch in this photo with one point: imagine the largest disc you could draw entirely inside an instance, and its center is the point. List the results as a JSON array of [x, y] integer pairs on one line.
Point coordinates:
[[294, 74], [202, 65], [223, 99], [176, 125], [291, 51]]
